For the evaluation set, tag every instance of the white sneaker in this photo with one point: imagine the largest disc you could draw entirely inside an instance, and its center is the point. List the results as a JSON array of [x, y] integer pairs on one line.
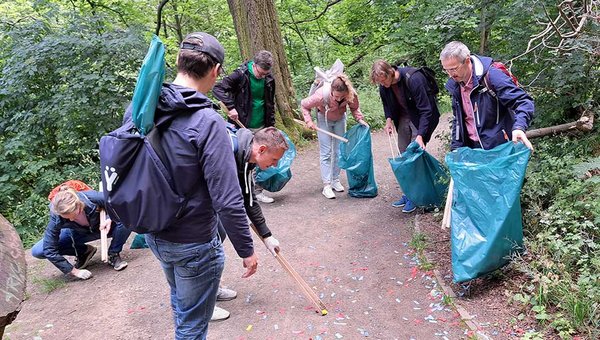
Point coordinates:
[[264, 198], [337, 186], [327, 192], [225, 294], [219, 314]]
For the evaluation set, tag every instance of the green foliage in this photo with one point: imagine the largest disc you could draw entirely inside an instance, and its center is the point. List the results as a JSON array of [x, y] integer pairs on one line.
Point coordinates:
[[49, 285], [61, 87], [562, 218]]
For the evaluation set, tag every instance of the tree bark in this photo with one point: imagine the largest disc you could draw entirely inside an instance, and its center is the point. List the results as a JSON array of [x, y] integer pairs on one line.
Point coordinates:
[[583, 124], [257, 28]]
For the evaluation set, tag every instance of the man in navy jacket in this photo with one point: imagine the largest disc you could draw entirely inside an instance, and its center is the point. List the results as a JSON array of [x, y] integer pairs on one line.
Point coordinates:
[[489, 108], [410, 107]]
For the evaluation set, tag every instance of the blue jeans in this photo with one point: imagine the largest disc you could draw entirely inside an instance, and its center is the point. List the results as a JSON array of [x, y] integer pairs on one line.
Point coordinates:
[[328, 147], [193, 271], [72, 241]]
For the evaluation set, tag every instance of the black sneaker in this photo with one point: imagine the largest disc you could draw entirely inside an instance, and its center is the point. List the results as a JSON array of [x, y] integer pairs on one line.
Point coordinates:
[[84, 259], [115, 261]]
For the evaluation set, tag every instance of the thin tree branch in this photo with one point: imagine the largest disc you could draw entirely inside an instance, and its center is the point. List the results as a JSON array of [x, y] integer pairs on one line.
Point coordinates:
[[329, 4]]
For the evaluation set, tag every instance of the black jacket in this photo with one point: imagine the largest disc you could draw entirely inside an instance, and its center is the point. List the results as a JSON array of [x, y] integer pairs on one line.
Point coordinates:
[[244, 171], [422, 106], [234, 91]]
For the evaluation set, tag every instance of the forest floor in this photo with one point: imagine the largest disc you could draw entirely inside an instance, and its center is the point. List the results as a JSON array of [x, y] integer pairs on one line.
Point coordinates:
[[353, 252]]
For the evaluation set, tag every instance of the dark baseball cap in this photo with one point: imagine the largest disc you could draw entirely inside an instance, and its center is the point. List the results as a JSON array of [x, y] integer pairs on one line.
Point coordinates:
[[208, 44]]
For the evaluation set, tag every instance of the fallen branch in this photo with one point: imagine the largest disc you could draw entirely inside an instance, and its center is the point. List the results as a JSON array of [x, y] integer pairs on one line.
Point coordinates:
[[583, 124]]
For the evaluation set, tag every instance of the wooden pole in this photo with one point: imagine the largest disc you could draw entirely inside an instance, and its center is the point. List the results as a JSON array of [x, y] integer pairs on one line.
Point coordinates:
[[103, 234], [323, 131], [448, 206], [304, 287], [226, 110]]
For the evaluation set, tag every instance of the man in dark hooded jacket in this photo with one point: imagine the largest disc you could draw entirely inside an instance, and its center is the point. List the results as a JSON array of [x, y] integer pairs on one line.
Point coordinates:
[[198, 153], [489, 108], [263, 149]]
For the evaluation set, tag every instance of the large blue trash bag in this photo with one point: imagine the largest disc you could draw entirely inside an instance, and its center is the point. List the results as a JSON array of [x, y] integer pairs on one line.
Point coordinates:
[[486, 208], [148, 86], [275, 178], [422, 178], [356, 157]]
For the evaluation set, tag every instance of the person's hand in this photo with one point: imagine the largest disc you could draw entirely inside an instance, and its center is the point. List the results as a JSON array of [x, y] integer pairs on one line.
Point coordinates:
[[251, 264], [311, 125], [233, 115], [419, 141], [83, 274], [272, 244], [519, 135], [363, 123], [389, 127], [105, 225]]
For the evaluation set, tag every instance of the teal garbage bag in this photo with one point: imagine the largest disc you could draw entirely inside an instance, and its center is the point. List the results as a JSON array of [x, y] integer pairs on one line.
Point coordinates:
[[139, 242], [147, 87], [422, 178], [486, 208], [275, 178], [356, 157]]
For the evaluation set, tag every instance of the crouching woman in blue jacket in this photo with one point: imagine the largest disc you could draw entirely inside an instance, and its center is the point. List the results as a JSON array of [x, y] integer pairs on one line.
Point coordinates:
[[74, 221]]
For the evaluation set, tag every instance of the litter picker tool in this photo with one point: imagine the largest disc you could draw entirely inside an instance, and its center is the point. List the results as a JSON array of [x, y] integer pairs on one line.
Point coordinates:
[[226, 110], [304, 287], [448, 207], [323, 131], [103, 234]]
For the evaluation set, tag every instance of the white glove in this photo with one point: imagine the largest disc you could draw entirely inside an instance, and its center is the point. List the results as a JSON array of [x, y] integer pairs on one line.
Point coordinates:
[[272, 245], [83, 274]]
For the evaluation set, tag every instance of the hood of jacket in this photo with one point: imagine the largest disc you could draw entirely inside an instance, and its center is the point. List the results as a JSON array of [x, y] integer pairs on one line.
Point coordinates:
[[176, 100], [242, 154]]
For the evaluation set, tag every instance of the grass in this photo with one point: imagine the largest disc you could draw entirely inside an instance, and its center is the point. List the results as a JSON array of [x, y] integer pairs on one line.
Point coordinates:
[[49, 285], [419, 243]]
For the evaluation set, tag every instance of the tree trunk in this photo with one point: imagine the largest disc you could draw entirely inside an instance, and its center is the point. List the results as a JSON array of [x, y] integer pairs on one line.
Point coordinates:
[[583, 124], [257, 28]]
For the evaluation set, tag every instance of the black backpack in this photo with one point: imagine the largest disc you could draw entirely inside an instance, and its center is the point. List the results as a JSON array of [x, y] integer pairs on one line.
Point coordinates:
[[433, 88]]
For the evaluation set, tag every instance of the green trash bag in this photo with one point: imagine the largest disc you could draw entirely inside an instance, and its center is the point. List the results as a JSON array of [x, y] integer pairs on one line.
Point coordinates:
[[356, 157], [486, 207], [147, 87], [422, 178], [275, 178], [139, 242]]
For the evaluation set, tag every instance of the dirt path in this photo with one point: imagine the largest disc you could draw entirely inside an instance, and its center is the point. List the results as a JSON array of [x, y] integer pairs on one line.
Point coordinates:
[[353, 252]]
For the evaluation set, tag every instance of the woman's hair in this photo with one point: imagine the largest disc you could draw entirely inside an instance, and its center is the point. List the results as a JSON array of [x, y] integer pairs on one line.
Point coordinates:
[[380, 69], [455, 49], [66, 201], [343, 84]]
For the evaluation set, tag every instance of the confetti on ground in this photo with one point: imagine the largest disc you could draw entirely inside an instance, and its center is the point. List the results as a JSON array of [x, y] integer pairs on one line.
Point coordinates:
[[249, 328], [338, 336], [276, 326], [397, 300]]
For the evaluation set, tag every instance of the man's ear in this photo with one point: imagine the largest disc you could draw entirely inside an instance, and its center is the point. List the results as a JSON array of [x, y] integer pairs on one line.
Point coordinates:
[[262, 148]]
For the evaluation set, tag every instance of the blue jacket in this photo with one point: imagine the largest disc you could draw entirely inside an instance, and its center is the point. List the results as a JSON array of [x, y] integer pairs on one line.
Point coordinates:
[[495, 118], [198, 152], [422, 106], [93, 201]]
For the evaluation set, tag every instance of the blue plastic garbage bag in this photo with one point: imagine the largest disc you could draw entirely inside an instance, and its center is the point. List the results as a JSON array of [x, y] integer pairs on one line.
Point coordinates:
[[139, 242], [422, 178], [275, 178], [147, 87], [486, 208], [356, 157]]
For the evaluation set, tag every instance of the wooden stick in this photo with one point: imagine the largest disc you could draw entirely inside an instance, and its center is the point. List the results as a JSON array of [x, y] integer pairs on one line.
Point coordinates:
[[391, 147], [103, 234], [448, 207], [304, 287], [323, 131], [226, 110]]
